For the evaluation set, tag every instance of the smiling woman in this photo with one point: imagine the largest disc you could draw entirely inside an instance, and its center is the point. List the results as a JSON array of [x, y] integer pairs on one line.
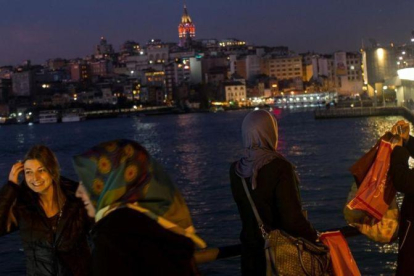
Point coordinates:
[[53, 222]]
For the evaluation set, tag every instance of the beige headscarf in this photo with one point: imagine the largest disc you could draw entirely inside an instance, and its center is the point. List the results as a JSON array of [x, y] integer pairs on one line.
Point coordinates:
[[260, 137]]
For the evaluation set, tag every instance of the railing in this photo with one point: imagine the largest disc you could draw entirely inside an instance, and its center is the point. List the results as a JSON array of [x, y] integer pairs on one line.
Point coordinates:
[[357, 112], [217, 253]]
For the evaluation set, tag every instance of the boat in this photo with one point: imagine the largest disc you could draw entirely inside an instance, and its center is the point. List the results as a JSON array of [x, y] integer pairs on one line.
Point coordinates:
[[216, 109], [48, 116], [73, 115], [311, 100]]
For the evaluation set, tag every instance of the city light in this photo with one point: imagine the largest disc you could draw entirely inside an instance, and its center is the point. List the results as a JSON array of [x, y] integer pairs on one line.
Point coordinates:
[[406, 74], [380, 53]]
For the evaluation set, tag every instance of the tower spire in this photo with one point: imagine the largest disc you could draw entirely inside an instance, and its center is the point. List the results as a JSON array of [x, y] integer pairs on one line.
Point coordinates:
[[186, 29]]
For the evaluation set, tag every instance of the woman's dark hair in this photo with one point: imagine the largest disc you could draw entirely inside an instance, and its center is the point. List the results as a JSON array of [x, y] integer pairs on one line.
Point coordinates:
[[48, 159]]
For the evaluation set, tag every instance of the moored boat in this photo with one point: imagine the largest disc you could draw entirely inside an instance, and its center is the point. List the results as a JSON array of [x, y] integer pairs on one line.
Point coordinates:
[[48, 116], [73, 115]]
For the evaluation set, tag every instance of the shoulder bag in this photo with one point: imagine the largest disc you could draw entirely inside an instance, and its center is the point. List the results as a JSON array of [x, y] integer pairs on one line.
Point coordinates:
[[290, 256]]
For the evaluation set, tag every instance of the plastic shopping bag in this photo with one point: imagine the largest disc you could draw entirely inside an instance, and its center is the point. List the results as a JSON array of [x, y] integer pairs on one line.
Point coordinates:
[[384, 231], [376, 191], [361, 167], [343, 263]]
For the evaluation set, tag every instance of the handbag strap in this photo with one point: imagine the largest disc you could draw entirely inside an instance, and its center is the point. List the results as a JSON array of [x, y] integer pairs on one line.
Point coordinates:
[[256, 213]]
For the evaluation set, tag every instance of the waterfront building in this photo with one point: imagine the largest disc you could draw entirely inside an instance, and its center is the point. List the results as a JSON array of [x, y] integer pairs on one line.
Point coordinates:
[[379, 64], [216, 75], [6, 72], [196, 74], [103, 49], [101, 68], [214, 68], [154, 87], [348, 73], [56, 64], [231, 44], [136, 64], [283, 67], [152, 95], [238, 65], [186, 29], [80, 71], [320, 68], [211, 44], [157, 52], [5, 90], [249, 65], [404, 86], [182, 69], [234, 91], [23, 83], [128, 48], [103, 95], [170, 81]]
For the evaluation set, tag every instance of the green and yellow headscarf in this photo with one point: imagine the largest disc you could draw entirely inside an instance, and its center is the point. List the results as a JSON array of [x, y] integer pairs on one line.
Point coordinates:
[[121, 173]]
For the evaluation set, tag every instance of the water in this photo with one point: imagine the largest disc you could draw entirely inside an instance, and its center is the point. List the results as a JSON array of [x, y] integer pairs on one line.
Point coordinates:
[[197, 149]]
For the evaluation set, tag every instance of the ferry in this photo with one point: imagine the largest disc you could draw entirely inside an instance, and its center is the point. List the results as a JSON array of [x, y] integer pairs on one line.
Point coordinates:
[[73, 115], [305, 100], [48, 116]]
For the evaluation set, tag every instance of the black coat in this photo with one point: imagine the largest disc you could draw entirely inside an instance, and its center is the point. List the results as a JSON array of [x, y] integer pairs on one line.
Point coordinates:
[[403, 179], [278, 202], [127, 242], [67, 252]]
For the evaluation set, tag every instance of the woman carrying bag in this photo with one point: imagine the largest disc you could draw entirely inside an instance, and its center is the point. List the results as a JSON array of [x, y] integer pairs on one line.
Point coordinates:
[[402, 178], [272, 184]]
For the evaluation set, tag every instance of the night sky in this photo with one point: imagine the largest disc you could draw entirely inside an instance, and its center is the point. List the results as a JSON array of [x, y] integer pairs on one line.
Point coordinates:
[[43, 29]]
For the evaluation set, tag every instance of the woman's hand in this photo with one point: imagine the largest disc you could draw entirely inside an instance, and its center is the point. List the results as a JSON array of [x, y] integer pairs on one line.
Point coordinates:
[[83, 194], [402, 128], [396, 141], [15, 171]]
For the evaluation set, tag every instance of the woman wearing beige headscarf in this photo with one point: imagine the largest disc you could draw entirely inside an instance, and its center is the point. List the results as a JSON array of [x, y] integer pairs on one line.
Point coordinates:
[[274, 187]]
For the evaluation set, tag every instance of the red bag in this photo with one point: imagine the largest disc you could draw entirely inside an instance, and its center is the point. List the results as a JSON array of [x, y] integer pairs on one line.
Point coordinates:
[[361, 167], [376, 191], [343, 263]]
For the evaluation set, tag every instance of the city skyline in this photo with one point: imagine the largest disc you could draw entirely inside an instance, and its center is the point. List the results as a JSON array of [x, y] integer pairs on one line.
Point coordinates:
[[38, 31]]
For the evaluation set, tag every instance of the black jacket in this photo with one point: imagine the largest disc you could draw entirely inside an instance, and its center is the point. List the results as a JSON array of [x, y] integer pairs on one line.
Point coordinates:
[[128, 242], [403, 179], [67, 252], [278, 202]]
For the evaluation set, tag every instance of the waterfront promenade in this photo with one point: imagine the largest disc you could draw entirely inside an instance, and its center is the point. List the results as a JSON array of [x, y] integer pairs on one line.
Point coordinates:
[[197, 150]]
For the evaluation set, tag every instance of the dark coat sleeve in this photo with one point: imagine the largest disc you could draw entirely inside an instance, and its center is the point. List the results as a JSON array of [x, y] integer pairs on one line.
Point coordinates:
[[8, 196], [401, 175], [289, 205], [409, 145]]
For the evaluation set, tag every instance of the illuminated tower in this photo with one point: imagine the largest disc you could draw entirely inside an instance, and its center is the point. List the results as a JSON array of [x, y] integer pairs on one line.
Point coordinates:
[[186, 29]]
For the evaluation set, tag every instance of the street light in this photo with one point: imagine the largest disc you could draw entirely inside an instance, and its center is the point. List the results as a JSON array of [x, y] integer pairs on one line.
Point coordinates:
[[360, 99]]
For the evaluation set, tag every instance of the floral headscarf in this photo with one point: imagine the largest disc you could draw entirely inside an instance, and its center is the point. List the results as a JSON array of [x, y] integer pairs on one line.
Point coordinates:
[[121, 173]]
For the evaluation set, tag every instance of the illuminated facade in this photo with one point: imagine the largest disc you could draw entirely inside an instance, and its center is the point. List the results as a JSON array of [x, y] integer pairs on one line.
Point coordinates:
[[285, 67], [379, 64], [186, 29]]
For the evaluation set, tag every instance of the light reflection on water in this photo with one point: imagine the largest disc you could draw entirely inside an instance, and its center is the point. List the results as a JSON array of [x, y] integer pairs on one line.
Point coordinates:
[[197, 150]]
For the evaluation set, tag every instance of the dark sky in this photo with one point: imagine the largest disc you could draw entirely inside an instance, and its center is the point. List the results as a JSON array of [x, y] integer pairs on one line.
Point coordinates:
[[41, 29]]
